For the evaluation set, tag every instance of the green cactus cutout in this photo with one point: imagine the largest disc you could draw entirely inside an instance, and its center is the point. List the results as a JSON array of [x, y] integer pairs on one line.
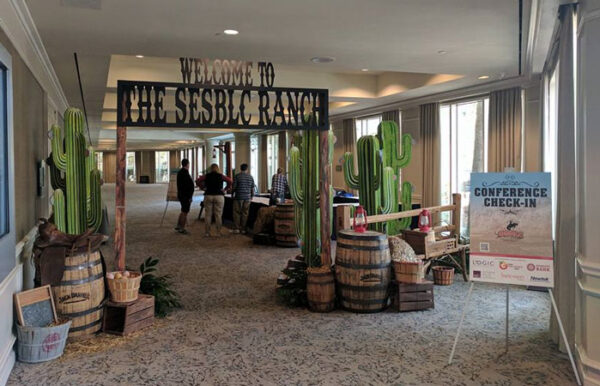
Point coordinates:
[[304, 189], [57, 179], [373, 181], [79, 206], [387, 132]]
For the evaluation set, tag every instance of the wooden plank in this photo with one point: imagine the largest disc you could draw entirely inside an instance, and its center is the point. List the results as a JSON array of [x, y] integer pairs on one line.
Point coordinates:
[[426, 285], [409, 213], [138, 325], [120, 216], [33, 296], [456, 198], [137, 316], [143, 302], [415, 296], [414, 306], [324, 195]]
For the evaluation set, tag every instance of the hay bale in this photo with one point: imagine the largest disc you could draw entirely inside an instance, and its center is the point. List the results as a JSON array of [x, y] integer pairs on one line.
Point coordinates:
[[400, 250], [265, 220]]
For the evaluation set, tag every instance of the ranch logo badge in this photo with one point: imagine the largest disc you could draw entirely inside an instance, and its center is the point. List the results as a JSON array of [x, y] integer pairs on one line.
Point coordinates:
[[510, 232]]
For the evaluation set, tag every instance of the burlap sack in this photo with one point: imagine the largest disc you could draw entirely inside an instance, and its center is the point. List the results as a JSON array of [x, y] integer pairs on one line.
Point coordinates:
[[400, 250], [265, 220]]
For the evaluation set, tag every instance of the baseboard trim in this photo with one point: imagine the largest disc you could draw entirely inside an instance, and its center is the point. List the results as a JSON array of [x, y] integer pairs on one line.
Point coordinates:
[[7, 361], [588, 368]]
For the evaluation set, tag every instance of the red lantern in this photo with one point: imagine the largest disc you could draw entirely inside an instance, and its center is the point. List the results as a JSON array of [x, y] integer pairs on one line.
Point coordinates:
[[425, 221], [360, 220]]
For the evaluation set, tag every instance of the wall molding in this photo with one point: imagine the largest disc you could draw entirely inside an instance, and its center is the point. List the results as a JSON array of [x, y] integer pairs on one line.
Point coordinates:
[[17, 23], [590, 269], [8, 286], [587, 17], [588, 368]]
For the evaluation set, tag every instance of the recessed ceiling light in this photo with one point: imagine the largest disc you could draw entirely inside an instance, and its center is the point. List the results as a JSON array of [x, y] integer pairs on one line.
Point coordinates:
[[442, 52], [483, 77], [139, 56], [231, 32], [364, 69], [322, 59]]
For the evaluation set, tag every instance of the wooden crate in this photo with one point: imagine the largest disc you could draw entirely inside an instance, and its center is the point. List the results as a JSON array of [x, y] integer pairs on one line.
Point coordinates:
[[125, 318], [419, 243], [414, 296]]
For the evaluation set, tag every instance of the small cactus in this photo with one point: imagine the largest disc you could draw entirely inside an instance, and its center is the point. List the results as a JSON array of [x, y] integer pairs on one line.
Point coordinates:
[[387, 132], [78, 206], [374, 182]]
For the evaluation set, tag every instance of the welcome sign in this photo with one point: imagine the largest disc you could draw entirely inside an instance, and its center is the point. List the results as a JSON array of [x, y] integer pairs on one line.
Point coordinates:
[[510, 218], [221, 94]]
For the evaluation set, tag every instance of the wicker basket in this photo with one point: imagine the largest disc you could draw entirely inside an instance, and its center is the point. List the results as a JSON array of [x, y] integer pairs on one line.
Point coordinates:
[[124, 289], [408, 272], [40, 344], [443, 275]]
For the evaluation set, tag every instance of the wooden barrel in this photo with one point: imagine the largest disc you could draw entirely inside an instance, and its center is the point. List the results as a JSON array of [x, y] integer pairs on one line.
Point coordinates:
[[320, 290], [285, 226], [80, 294], [363, 270]]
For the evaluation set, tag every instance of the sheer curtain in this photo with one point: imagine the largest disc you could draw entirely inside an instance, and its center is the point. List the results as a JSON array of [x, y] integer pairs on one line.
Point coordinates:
[[430, 134], [505, 122]]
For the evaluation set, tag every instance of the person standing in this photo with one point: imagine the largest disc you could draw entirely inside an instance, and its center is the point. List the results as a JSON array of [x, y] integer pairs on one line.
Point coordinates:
[[279, 185], [243, 192], [185, 194], [214, 197]]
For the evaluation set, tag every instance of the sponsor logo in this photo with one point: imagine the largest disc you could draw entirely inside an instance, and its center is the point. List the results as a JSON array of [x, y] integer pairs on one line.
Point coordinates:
[[539, 279], [531, 267], [488, 263], [477, 274], [503, 265], [538, 267]]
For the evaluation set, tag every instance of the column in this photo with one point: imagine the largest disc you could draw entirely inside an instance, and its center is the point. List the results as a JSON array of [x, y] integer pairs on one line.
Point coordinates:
[[587, 301], [208, 154], [242, 150]]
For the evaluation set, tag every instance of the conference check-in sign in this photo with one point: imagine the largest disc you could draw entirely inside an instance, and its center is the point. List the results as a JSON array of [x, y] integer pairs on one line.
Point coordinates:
[[510, 218]]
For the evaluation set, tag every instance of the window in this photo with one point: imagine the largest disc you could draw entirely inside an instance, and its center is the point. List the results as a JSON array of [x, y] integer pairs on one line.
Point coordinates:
[[463, 139], [272, 155], [254, 158], [550, 134], [7, 203], [161, 166], [100, 163], [200, 153], [130, 166], [4, 183], [367, 125]]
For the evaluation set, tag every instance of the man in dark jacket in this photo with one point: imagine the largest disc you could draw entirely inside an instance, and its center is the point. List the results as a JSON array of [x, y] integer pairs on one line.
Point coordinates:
[[185, 192]]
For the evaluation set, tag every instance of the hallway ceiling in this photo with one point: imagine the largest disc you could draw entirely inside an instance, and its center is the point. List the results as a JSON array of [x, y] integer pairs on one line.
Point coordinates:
[[466, 38]]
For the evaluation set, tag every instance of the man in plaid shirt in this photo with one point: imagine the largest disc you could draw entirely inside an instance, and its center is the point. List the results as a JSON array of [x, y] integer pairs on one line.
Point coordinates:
[[279, 185], [243, 191]]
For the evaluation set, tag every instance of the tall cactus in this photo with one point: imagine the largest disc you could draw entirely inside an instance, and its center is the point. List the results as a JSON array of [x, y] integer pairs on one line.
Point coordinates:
[[387, 132], [79, 206], [304, 189], [374, 182]]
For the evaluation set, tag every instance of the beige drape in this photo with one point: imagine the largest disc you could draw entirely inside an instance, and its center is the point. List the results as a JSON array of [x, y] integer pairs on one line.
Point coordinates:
[[349, 134], [393, 115], [504, 145], [264, 178], [430, 134]]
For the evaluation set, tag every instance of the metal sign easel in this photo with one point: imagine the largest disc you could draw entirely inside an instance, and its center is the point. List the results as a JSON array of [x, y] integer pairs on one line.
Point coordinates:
[[560, 325]]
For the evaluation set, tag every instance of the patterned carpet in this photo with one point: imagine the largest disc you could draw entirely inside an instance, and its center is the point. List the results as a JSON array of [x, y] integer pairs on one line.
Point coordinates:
[[232, 331]]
